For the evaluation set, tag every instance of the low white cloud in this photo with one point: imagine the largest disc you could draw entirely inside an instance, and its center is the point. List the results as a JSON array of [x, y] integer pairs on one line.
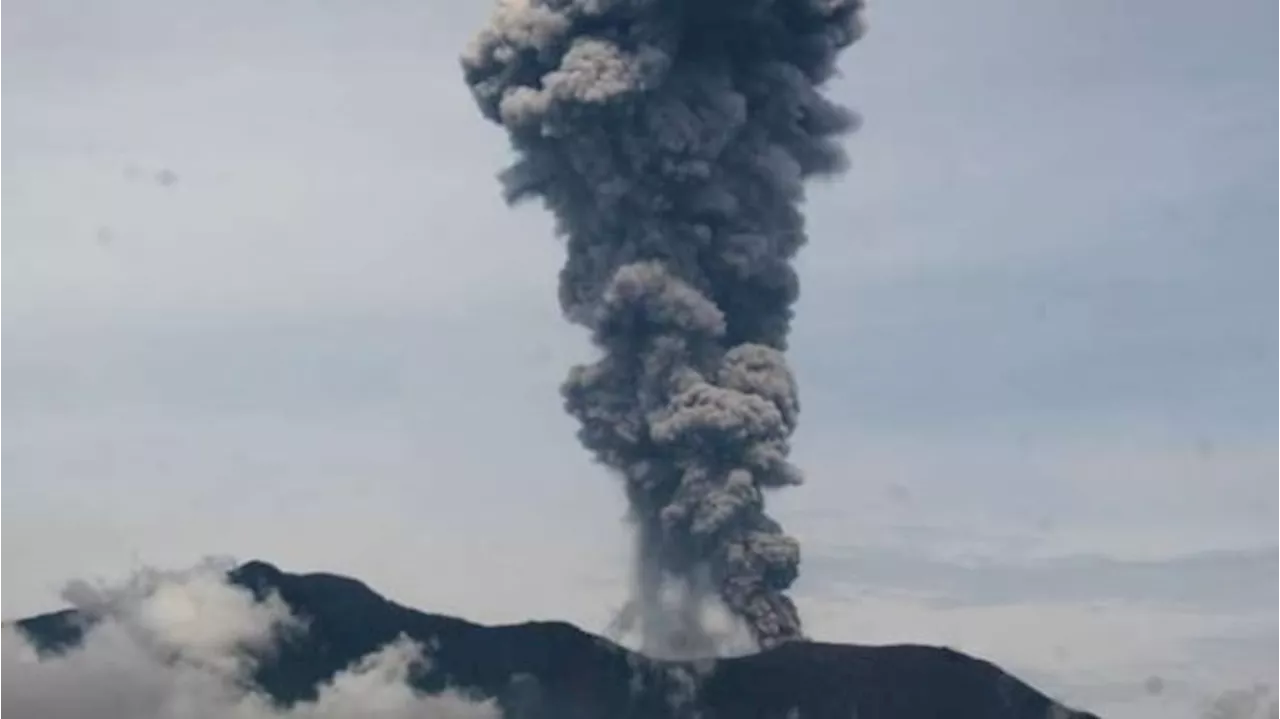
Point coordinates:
[[182, 645]]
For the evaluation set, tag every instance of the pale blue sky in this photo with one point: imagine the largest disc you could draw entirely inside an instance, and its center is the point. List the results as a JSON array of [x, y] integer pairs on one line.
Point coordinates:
[[1035, 345]]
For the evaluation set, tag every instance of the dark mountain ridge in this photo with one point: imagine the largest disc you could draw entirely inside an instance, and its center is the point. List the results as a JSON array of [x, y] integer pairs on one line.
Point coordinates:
[[546, 670]]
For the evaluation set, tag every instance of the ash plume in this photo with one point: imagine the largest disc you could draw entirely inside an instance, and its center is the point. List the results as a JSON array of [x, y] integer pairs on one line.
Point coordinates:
[[671, 139]]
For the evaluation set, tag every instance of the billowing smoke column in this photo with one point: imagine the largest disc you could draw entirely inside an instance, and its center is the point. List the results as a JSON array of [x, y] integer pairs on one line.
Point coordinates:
[[671, 138]]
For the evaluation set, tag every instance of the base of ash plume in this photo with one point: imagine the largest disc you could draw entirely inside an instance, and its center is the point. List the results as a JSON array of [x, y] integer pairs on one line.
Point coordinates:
[[323, 628]]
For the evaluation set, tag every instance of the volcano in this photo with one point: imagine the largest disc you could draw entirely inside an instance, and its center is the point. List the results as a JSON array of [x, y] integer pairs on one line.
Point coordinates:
[[546, 670]]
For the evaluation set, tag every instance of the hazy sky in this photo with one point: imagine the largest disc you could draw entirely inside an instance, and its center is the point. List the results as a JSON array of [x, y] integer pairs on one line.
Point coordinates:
[[262, 298]]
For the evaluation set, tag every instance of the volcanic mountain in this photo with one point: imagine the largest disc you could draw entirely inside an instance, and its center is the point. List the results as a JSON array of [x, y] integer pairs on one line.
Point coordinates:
[[545, 670]]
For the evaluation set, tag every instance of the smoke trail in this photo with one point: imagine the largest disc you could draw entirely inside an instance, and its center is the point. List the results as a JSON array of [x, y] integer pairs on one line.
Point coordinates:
[[670, 139]]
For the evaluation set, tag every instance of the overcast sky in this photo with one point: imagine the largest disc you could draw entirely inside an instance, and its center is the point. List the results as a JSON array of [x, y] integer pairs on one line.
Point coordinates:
[[261, 297]]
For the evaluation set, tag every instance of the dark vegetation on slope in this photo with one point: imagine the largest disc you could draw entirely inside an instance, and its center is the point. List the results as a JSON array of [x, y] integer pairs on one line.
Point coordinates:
[[553, 670]]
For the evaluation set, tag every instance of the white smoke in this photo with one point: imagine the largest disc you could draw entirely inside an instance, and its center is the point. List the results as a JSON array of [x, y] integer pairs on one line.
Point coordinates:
[[660, 627], [180, 645]]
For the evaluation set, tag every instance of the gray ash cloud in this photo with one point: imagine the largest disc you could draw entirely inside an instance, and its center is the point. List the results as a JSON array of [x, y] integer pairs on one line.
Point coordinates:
[[671, 140]]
